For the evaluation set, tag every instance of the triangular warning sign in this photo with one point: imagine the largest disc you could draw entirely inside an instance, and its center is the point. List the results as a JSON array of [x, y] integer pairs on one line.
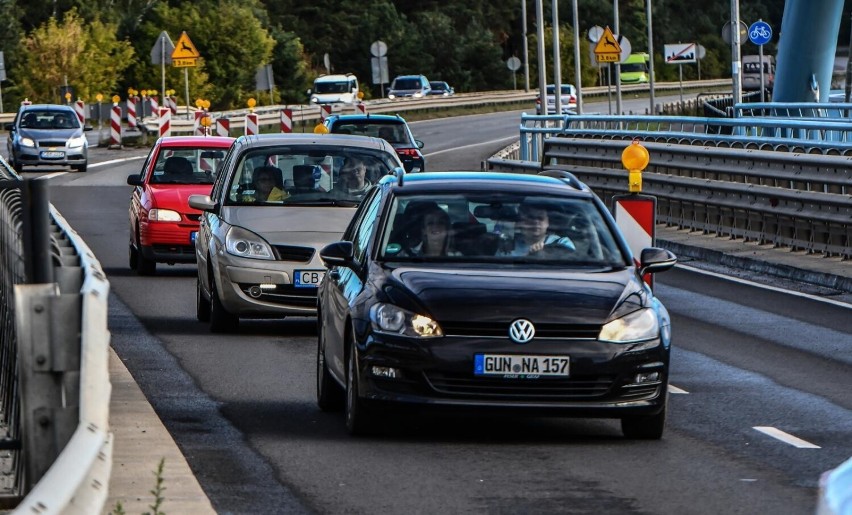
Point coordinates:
[[607, 44], [184, 49]]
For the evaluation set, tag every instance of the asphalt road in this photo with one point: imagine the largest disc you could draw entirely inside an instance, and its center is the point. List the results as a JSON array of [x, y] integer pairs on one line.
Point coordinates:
[[242, 409]]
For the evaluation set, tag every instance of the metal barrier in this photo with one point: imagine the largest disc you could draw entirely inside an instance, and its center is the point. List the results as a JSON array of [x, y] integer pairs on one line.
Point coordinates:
[[825, 112], [53, 360], [796, 201], [778, 134]]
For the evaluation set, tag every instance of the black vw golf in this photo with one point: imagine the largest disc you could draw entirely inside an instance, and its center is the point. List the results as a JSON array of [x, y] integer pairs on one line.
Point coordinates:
[[477, 290]]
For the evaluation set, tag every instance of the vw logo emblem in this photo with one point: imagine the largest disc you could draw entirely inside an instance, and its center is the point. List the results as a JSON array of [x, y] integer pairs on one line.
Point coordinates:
[[521, 331]]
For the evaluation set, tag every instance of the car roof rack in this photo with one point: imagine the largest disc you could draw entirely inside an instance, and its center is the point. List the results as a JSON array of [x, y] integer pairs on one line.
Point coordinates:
[[568, 177]]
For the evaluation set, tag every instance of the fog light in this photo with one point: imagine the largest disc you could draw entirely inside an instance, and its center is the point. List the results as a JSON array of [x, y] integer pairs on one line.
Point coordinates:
[[255, 291], [387, 372], [267, 286], [647, 377]]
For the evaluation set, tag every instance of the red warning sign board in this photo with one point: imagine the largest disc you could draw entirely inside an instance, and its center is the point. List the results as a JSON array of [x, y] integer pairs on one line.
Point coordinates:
[[636, 217]]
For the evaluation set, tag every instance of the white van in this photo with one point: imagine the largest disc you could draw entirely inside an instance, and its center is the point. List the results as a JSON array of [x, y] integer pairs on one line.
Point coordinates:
[[334, 89]]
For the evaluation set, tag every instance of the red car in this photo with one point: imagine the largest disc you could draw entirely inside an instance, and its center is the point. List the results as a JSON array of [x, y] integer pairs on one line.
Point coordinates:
[[162, 225]]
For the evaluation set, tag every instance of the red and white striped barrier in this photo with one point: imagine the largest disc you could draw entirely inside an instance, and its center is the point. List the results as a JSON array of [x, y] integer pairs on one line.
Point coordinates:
[[172, 104], [155, 105], [197, 128], [131, 112], [360, 108], [252, 127], [223, 127], [325, 111], [80, 109], [115, 126], [636, 217], [165, 117], [287, 120]]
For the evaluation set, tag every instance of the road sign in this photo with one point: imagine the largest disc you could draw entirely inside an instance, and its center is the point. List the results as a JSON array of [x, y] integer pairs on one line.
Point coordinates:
[[607, 49], [184, 48], [513, 63], [163, 48], [726, 32], [680, 53], [378, 49], [379, 66], [595, 33], [760, 33]]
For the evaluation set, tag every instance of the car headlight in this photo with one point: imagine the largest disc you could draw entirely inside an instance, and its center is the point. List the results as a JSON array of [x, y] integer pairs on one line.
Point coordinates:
[[637, 326], [247, 244], [387, 318], [163, 215], [418, 95], [391, 96], [27, 142], [76, 142]]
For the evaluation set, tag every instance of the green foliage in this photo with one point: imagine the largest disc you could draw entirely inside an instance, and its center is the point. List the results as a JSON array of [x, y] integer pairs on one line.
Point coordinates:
[[157, 492]]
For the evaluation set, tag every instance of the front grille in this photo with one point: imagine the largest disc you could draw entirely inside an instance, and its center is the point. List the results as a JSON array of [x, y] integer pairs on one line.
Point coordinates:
[[293, 253], [51, 143], [285, 294], [550, 389], [501, 329]]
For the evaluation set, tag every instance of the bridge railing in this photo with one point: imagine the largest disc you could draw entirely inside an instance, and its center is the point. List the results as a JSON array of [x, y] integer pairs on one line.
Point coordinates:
[[801, 202], [55, 380]]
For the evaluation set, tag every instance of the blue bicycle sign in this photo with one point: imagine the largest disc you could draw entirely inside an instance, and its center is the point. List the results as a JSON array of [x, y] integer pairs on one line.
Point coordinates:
[[760, 33]]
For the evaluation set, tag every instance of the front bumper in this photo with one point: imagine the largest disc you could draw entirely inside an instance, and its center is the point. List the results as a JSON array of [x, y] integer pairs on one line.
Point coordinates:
[[168, 242], [266, 289], [34, 156], [439, 373]]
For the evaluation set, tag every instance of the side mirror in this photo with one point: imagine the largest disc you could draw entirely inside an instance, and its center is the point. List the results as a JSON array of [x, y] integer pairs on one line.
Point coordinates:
[[9, 126], [202, 202], [135, 179], [654, 260], [308, 91], [88, 128], [418, 143], [341, 253]]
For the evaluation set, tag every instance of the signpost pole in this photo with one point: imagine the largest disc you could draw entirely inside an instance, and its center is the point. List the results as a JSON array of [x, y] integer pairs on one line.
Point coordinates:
[[736, 79], [617, 63], [577, 75], [542, 68], [163, 62], [557, 65], [526, 46], [651, 54], [186, 83]]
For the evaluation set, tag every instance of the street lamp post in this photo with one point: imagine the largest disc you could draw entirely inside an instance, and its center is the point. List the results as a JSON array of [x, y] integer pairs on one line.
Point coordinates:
[[542, 68], [651, 55], [557, 64], [526, 46]]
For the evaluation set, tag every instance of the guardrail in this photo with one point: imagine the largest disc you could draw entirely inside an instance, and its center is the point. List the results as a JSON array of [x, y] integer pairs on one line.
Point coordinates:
[[797, 201], [58, 395]]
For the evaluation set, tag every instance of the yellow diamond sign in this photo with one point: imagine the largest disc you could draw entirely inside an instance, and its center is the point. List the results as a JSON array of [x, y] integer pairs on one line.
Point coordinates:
[[607, 50]]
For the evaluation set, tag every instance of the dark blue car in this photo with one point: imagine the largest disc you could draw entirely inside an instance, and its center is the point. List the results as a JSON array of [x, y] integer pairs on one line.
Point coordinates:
[[391, 128]]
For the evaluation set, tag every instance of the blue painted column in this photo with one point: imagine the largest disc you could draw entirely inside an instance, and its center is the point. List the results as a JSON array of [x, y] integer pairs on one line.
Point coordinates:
[[806, 50]]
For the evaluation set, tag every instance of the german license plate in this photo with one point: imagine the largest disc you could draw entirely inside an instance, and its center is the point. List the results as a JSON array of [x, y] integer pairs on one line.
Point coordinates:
[[192, 237], [52, 154], [307, 278], [519, 366]]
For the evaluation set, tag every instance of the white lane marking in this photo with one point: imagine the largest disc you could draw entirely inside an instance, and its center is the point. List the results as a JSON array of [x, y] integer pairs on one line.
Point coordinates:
[[94, 165], [51, 175], [766, 287], [675, 389], [471, 146], [785, 437]]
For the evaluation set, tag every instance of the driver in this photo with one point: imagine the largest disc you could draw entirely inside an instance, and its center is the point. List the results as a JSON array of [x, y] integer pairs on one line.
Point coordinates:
[[531, 233]]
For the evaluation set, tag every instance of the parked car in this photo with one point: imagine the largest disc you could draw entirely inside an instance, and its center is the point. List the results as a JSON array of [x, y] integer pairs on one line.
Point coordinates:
[[414, 86], [163, 226], [491, 291], [258, 257], [568, 100], [47, 135], [440, 87], [751, 72], [391, 128]]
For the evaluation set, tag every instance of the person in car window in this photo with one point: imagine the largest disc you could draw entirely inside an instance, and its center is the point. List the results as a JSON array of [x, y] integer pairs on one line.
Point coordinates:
[[435, 234], [532, 236], [353, 177], [264, 180]]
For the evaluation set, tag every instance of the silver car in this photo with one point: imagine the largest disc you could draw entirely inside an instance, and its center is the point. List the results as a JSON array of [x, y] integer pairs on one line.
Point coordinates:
[[47, 135], [277, 200]]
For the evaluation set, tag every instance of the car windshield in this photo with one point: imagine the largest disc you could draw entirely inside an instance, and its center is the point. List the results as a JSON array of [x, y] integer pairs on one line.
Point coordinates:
[[438, 85], [480, 227], [632, 67], [306, 175], [332, 87], [187, 165], [51, 120], [407, 84], [392, 131]]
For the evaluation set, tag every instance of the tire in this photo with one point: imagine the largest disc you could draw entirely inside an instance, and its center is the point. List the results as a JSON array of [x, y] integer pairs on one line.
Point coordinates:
[[202, 305], [132, 257], [330, 396], [81, 168], [221, 320], [358, 419], [145, 266], [645, 427], [19, 168]]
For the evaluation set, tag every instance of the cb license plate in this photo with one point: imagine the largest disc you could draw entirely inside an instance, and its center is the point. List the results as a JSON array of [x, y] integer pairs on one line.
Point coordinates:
[[308, 278], [52, 154], [519, 366]]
